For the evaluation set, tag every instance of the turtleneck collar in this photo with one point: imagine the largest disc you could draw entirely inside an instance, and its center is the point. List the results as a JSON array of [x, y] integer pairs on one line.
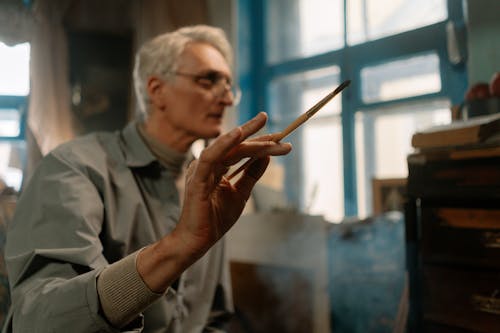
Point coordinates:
[[169, 158]]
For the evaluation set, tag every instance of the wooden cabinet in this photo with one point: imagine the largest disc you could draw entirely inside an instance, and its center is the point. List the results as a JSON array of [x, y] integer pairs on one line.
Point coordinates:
[[452, 221]]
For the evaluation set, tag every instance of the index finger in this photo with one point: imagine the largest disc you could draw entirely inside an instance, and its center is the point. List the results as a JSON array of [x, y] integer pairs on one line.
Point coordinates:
[[265, 137], [223, 144], [253, 125]]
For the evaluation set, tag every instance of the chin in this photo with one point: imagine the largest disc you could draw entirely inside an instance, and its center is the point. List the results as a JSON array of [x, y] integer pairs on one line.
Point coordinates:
[[210, 133], [215, 134]]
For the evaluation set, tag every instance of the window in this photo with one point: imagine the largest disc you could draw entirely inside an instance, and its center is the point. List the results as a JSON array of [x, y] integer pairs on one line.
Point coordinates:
[[372, 19], [292, 52], [14, 91], [302, 28], [412, 76], [296, 93], [377, 131]]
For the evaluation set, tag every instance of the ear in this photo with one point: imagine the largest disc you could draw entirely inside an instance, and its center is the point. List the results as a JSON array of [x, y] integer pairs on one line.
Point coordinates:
[[156, 94]]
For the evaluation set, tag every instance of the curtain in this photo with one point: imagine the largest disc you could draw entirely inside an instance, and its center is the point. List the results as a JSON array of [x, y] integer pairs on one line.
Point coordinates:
[[49, 115], [50, 120], [15, 22], [153, 17]]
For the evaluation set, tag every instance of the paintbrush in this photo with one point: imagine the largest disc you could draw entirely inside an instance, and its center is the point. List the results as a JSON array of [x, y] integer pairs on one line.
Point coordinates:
[[277, 137]]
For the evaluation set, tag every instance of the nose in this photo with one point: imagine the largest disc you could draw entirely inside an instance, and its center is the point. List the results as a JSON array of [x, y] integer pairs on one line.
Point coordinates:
[[226, 93], [227, 98]]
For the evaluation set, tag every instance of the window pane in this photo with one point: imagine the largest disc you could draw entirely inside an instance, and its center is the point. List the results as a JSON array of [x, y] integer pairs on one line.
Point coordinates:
[[14, 69], [323, 171], [301, 28], [372, 19], [10, 122], [383, 141], [414, 76], [294, 94], [314, 174], [12, 156]]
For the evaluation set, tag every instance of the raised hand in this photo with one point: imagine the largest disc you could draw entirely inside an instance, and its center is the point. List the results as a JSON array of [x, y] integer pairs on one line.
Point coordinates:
[[212, 204]]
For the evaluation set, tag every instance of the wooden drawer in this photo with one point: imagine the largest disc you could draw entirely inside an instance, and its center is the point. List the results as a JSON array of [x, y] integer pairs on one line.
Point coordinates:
[[436, 328], [468, 300], [454, 179], [461, 235]]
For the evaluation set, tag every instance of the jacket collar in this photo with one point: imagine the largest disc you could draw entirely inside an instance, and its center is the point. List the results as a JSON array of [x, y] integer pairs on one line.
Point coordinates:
[[135, 150]]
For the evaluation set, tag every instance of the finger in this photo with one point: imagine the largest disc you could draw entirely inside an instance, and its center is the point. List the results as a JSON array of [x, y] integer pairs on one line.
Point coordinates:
[[251, 175], [265, 137], [256, 149], [223, 144], [191, 167], [210, 155], [254, 125]]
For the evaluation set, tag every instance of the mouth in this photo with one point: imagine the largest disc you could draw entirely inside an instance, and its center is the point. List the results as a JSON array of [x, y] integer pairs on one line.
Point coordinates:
[[217, 116]]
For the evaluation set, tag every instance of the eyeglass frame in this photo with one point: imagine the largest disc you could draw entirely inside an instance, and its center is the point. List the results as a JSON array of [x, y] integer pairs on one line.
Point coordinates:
[[213, 79]]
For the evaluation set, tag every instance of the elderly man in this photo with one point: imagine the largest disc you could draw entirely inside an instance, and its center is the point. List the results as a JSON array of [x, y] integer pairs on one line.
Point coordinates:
[[101, 240]]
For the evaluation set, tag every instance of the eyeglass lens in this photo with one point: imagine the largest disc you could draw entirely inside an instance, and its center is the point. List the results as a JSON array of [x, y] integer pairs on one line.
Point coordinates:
[[224, 85]]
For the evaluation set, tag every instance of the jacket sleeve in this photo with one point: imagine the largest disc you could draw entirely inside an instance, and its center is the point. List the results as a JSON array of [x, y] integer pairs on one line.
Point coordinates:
[[54, 254]]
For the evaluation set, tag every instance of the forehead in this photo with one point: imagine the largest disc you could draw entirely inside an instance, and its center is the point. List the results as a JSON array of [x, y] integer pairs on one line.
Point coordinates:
[[198, 57]]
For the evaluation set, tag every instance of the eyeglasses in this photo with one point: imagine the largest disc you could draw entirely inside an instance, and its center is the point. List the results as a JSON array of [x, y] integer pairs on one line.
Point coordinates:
[[219, 83]]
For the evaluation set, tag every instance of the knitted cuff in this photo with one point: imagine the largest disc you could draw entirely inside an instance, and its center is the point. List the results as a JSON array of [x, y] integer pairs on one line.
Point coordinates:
[[122, 292]]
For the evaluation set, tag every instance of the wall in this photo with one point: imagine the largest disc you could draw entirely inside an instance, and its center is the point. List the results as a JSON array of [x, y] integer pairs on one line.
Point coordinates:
[[222, 14], [367, 274], [286, 249], [152, 17], [483, 41]]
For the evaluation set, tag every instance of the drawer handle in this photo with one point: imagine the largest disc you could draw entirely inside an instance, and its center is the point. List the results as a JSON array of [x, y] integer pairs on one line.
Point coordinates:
[[487, 304], [491, 239]]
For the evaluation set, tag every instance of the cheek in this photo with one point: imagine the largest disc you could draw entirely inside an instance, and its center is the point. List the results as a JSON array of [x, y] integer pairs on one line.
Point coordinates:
[[198, 105], [190, 108], [185, 104], [194, 113]]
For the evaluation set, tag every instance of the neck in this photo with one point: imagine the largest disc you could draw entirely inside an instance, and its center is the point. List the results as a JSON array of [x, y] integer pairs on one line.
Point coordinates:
[[166, 134], [171, 159]]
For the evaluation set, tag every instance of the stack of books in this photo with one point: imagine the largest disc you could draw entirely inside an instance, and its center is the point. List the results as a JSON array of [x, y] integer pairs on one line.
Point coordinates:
[[483, 130]]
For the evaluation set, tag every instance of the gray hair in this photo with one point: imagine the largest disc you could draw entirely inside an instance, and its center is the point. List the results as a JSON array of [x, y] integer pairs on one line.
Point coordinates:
[[160, 55]]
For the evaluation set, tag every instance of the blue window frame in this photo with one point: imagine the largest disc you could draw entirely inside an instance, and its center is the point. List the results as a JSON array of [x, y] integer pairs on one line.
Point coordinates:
[[267, 31], [12, 117]]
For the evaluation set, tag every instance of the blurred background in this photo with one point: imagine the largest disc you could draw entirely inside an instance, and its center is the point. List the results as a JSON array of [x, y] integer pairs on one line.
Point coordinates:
[[329, 217]]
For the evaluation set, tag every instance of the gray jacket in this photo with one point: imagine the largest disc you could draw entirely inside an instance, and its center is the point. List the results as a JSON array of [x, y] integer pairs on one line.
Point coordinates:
[[91, 203]]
